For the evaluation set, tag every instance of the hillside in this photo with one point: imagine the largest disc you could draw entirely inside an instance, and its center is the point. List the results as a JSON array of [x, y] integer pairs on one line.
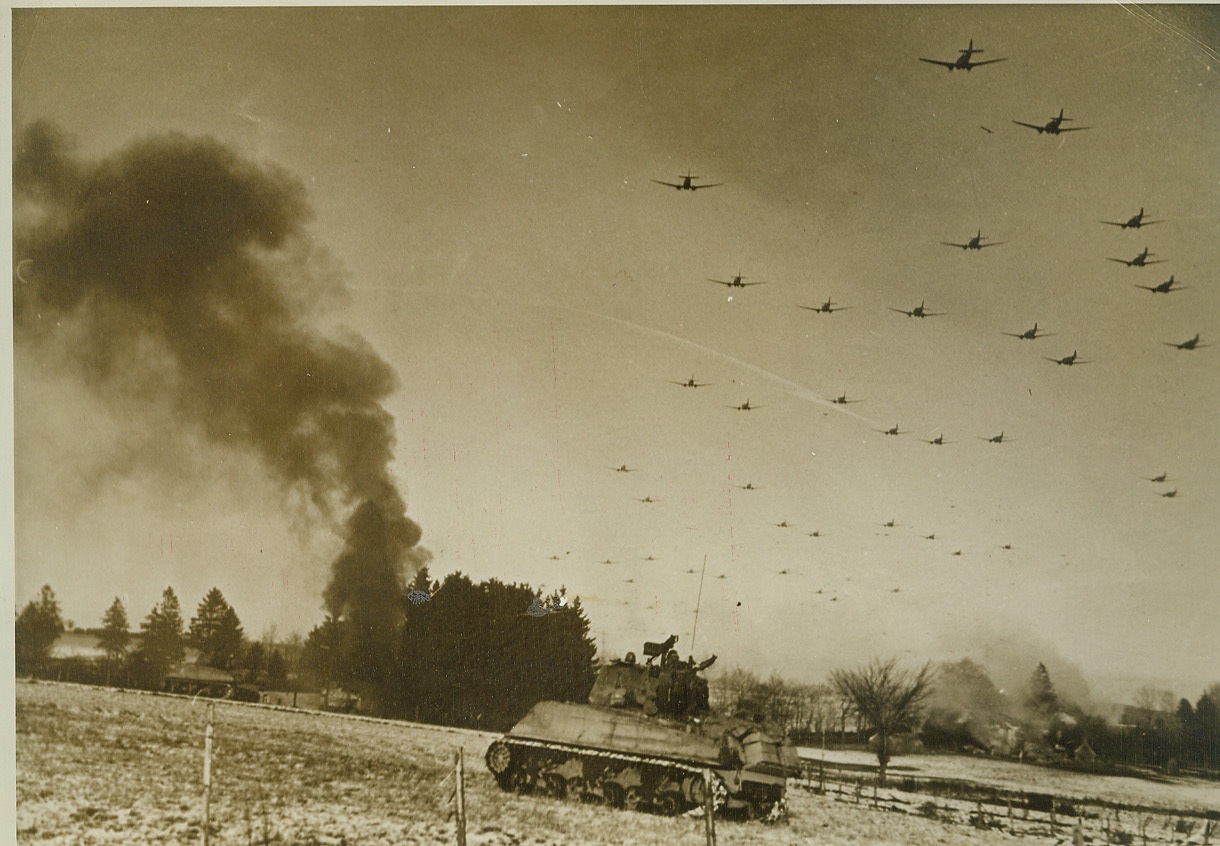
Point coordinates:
[[98, 766]]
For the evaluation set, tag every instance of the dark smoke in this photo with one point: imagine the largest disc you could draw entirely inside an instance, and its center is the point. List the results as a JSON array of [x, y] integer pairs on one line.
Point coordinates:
[[177, 247]]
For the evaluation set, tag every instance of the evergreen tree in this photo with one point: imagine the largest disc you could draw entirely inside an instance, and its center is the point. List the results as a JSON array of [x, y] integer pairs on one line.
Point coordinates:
[[277, 670], [162, 645], [115, 637], [1206, 735], [321, 655], [216, 631], [35, 631], [472, 656], [1041, 697], [251, 662]]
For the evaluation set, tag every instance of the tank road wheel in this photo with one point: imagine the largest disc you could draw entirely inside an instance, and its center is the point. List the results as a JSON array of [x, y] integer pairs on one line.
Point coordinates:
[[553, 786], [669, 802], [614, 794], [521, 781], [574, 789], [759, 808], [633, 797], [499, 759]]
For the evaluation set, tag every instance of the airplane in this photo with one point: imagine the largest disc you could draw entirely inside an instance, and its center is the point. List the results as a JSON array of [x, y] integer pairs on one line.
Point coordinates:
[[649, 558], [957, 552], [690, 383], [1164, 477], [1133, 222], [783, 572], [816, 533], [647, 499], [1170, 494], [1069, 360], [749, 486], [963, 62], [607, 561], [889, 524], [623, 468], [939, 440], [1053, 126], [917, 311], [721, 576], [994, 439], [736, 283], [686, 184], [1164, 288], [1190, 344], [1029, 334], [843, 400], [1006, 546], [825, 308], [893, 431], [1139, 261], [745, 406], [975, 243], [930, 537], [782, 524], [692, 571]]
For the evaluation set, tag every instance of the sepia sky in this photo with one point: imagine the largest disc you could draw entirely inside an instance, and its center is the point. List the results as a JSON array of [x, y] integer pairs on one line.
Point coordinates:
[[480, 184]]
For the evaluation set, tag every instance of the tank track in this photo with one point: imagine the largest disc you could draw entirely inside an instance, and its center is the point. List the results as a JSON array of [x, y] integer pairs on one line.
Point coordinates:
[[598, 776]]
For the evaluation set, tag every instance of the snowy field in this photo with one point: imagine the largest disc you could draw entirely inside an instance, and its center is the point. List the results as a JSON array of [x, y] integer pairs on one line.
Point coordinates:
[[97, 766]]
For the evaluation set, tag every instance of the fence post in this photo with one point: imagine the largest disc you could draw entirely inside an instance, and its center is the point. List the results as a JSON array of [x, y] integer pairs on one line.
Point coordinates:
[[207, 774], [709, 807], [461, 799]]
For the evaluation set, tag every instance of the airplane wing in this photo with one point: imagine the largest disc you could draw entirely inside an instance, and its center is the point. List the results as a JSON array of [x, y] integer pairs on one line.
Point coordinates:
[[1014, 334], [1122, 261], [712, 185], [987, 62], [992, 244], [1030, 125], [949, 65], [720, 282], [1073, 128], [900, 311], [951, 244], [670, 184], [934, 314], [1114, 223], [748, 284]]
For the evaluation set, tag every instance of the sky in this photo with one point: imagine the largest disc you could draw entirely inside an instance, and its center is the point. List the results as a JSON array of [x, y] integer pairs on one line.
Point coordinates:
[[479, 209]]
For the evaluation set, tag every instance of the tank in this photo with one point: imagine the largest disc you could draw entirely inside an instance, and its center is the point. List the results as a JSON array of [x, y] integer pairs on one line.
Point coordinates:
[[644, 742]]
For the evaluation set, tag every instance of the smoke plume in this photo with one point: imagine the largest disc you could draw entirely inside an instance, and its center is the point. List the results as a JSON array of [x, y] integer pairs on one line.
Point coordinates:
[[179, 262]]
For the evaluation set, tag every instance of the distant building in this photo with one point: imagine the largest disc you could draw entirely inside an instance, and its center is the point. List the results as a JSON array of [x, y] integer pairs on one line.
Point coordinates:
[[1084, 754], [198, 680]]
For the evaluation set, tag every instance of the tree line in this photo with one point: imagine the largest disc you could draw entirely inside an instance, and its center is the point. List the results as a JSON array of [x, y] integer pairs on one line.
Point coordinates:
[[454, 653], [955, 707], [463, 654], [144, 658]]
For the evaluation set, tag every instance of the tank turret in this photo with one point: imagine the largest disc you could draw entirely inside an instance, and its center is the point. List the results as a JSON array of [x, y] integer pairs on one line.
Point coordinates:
[[644, 741]]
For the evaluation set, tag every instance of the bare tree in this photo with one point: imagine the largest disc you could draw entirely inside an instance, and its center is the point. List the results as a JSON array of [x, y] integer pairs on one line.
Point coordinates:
[[886, 698]]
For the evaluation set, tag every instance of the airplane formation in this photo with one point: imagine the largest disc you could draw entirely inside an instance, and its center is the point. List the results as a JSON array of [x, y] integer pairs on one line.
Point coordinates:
[[1055, 125]]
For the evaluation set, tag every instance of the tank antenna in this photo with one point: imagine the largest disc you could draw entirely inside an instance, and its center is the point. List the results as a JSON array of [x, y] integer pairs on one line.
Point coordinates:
[[698, 601]]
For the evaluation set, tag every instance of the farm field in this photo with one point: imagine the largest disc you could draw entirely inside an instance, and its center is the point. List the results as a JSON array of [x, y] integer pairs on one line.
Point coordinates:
[[1177, 793], [99, 766]]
